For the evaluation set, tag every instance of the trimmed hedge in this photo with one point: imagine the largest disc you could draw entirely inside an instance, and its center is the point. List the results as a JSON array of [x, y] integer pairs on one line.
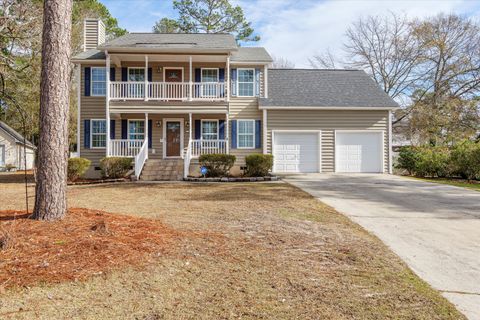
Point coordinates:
[[115, 167], [218, 165], [77, 168], [258, 165], [461, 160]]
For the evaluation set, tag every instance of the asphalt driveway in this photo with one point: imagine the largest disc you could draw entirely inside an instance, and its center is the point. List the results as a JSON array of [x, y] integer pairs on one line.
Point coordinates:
[[434, 228]]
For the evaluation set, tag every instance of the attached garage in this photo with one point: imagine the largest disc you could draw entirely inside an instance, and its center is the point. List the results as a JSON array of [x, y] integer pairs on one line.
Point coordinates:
[[296, 151], [359, 151]]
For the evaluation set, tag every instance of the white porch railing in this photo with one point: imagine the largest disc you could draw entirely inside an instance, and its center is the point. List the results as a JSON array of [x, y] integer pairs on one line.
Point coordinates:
[[201, 91], [168, 90], [209, 91], [140, 158], [200, 147], [127, 90], [125, 148]]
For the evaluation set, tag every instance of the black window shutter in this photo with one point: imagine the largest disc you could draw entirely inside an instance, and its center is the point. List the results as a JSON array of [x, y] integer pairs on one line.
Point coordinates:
[[124, 74], [112, 74], [87, 81], [112, 129], [150, 74], [221, 129], [258, 134], [150, 129], [234, 134], [198, 128], [86, 133], [124, 128]]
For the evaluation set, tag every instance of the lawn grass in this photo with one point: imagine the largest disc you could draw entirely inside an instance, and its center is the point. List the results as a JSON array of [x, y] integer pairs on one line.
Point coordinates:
[[285, 255], [473, 185]]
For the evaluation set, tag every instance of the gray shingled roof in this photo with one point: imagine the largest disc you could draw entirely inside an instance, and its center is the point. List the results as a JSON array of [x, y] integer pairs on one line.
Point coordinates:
[[15, 135], [251, 54], [173, 41], [92, 54], [324, 88]]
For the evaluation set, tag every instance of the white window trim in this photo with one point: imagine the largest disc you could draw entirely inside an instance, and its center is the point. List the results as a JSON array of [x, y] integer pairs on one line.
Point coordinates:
[[238, 133], [238, 81], [218, 73], [210, 120], [136, 68], [91, 82], [173, 68], [128, 129], [91, 133]]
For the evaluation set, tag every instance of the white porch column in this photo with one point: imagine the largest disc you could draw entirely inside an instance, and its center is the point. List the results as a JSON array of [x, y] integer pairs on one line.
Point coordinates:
[[107, 103], [264, 133], [227, 133], [265, 81], [146, 79], [146, 133], [190, 86], [390, 155], [227, 85], [190, 127]]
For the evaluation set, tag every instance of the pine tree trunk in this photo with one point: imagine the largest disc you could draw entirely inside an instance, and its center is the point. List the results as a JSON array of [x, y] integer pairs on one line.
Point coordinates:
[[51, 198]]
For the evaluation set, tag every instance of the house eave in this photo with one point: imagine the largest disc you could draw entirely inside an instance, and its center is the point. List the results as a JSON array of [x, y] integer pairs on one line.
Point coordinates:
[[324, 108]]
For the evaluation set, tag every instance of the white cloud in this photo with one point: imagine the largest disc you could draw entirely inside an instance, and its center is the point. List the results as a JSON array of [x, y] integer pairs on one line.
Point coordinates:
[[297, 29]]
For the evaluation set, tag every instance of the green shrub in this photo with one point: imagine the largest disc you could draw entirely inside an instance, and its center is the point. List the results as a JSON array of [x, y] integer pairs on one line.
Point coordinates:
[[407, 159], [258, 165], [10, 167], [432, 162], [115, 167], [465, 160], [77, 167], [218, 165]]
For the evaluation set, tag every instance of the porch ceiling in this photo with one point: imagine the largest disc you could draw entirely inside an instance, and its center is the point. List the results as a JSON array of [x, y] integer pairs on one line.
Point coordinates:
[[117, 58]]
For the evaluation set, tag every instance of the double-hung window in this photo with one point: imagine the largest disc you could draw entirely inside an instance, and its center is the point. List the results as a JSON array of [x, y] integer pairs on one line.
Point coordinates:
[[246, 82], [210, 79], [246, 134], [99, 81], [136, 129], [98, 137], [209, 129], [136, 75]]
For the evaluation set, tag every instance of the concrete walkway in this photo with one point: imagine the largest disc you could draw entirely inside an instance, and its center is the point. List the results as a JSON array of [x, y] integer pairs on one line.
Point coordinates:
[[434, 228]]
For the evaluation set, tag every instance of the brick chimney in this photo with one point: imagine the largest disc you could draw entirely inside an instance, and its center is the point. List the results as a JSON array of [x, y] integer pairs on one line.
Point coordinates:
[[93, 33]]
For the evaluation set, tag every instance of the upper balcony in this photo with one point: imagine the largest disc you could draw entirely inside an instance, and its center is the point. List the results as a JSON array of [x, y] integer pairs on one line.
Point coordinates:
[[168, 91]]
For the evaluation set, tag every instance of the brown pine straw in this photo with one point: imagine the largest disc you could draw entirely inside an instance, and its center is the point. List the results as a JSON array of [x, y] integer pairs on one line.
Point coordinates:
[[85, 243]]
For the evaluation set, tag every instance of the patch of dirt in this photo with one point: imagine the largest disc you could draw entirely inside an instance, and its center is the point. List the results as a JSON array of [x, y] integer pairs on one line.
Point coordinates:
[[87, 242]]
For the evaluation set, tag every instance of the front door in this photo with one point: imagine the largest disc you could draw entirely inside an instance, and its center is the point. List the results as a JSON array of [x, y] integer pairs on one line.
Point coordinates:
[[173, 136], [173, 75]]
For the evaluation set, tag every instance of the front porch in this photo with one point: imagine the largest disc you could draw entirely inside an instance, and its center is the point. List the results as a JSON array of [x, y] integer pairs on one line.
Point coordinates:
[[167, 136]]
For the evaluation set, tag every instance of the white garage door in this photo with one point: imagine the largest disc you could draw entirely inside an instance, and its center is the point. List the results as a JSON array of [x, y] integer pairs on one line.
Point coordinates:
[[358, 152], [296, 152]]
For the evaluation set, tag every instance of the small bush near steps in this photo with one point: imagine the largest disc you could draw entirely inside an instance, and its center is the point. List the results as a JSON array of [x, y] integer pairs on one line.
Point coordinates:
[[115, 167], [258, 165], [77, 168], [218, 165]]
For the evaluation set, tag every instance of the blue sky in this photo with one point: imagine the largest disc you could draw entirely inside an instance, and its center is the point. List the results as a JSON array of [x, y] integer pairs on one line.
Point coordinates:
[[294, 29]]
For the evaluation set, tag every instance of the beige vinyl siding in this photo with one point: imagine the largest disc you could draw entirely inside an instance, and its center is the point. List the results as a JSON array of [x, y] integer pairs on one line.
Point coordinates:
[[247, 109], [328, 121]]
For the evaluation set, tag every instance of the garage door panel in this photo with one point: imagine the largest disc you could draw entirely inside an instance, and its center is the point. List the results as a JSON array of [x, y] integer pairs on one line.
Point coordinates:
[[296, 152], [359, 152]]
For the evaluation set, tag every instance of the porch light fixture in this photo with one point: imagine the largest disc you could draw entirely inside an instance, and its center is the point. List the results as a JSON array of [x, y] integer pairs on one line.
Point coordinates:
[[187, 124], [159, 69], [158, 123]]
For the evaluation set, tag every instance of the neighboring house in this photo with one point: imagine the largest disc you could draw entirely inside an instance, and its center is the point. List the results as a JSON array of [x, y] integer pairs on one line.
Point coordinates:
[[168, 98], [12, 151]]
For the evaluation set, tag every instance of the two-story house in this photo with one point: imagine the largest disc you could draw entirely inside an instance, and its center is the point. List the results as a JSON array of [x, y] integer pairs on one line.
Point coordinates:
[[165, 99]]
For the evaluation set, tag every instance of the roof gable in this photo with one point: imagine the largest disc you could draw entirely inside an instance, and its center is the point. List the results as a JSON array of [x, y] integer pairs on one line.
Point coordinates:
[[14, 134]]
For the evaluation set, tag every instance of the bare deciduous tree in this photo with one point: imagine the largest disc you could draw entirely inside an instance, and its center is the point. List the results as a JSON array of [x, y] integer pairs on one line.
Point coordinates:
[[51, 187], [282, 63], [326, 60]]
